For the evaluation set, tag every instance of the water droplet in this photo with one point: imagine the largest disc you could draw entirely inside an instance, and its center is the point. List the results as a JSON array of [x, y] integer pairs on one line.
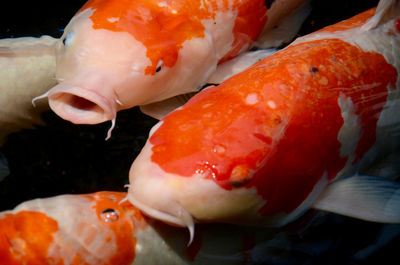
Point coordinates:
[[271, 104], [109, 215], [219, 149]]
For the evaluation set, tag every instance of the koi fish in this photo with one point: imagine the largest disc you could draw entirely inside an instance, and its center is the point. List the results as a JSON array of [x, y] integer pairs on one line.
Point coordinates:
[[284, 135], [114, 55], [102, 228], [27, 69]]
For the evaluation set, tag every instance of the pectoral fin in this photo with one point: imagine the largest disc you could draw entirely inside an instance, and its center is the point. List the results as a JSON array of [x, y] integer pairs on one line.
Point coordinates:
[[284, 30], [238, 64], [159, 110], [369, 198]]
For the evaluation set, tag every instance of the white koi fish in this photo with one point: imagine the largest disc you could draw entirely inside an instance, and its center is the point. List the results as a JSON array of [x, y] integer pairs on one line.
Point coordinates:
[[27, 67]]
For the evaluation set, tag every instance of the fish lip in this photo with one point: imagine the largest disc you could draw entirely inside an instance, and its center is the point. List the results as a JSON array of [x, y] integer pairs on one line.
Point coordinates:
[[158, 214], [184, 219], [81, 106]]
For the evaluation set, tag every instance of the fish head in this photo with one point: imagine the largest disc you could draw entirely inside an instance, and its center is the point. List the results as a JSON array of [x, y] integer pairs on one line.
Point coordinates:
[[182, 199], [202, 161], [233, 153], [117, 56], [69, 228]]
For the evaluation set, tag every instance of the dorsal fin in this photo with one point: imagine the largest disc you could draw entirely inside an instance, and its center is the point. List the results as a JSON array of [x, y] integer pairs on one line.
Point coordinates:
[[386, 10]]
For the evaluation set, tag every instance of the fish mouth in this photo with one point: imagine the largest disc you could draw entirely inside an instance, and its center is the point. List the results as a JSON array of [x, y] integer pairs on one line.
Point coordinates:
[[81, 106], [176, 215]]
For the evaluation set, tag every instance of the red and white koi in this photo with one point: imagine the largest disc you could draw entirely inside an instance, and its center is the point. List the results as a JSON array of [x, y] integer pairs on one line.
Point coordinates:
[[261, 148], [118, 54], [100, 228]]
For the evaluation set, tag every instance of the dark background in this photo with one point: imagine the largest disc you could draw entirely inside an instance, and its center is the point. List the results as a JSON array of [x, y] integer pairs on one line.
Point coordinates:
[[64, 158]]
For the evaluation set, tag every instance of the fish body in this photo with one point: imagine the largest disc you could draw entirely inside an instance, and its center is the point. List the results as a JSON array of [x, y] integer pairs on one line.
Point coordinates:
[[261, 148], [114, 55], [103, 228], [84, 229], [27, 68]]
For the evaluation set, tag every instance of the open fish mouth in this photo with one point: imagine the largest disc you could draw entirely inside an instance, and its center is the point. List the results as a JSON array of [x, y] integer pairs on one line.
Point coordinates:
[[80, 106]]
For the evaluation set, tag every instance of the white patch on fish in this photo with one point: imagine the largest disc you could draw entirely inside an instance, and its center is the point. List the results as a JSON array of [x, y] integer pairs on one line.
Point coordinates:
[[113, 19], [251, 99], [350, 133]]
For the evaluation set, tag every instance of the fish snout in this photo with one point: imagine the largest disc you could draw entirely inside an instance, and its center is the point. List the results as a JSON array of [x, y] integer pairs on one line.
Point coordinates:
[[155, 195], [81, 106], [158, 202]]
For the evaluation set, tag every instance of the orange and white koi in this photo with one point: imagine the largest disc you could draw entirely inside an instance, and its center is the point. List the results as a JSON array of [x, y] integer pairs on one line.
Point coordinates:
[[118, 54], [70, 229], [261, 148], [100, 228]]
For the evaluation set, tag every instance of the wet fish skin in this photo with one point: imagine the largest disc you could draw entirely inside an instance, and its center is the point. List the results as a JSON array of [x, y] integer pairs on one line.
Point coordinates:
[[260, 148], [111, 59], [102, 228]]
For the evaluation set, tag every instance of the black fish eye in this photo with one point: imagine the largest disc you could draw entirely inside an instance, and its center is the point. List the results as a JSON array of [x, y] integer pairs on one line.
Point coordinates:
[[68, 38], [109, 215], [159, 66]]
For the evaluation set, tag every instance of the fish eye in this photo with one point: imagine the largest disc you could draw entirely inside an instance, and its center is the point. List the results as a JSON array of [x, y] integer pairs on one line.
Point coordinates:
[[159, 65], [109, 215], [68, 38]]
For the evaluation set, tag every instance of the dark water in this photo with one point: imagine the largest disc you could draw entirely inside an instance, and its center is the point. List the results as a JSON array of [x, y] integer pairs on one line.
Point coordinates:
[[64, 158]]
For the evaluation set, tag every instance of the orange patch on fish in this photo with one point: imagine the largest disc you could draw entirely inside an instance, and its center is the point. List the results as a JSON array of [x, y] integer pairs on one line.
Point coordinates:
[[171, 23], [123, 231], [20, 242]]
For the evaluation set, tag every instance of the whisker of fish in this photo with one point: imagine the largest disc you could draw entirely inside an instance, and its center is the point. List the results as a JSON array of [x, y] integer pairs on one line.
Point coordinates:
[[111, 129], [39, 97]]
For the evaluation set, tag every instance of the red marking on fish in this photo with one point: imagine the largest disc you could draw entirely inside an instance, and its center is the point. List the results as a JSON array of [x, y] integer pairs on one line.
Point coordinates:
[[305, 108], [26, 237]]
